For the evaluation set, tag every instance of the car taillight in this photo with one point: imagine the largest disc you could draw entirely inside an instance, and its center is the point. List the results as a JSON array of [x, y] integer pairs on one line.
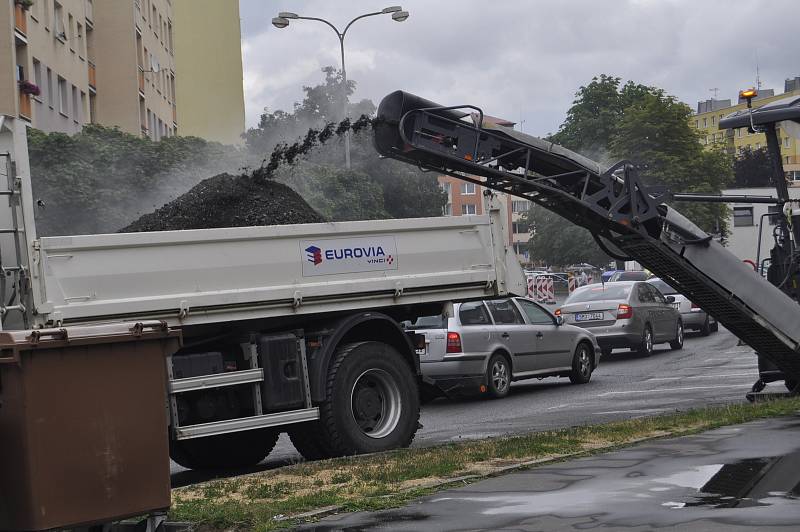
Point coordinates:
[[557, 312], [695, 307], [453, 342], [624, 312]]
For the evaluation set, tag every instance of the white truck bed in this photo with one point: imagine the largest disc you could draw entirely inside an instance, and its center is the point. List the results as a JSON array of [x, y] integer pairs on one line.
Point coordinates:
[[213, 275]]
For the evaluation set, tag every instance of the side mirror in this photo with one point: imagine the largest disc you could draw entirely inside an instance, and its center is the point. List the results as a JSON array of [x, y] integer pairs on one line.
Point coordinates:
[[559, 321], [670, 299]]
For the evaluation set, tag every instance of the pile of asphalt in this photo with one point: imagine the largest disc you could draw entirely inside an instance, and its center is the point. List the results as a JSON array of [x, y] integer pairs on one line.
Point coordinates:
[[229, 201], [248, 199]]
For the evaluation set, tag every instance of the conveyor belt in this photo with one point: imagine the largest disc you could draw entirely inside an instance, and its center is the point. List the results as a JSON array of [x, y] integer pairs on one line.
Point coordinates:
[[626, 216]]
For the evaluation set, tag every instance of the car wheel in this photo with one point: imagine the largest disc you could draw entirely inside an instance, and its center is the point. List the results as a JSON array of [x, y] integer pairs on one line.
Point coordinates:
[[705, 330], [581, 364], [498, 375], [714, 326], [677, 343], [646, 346]]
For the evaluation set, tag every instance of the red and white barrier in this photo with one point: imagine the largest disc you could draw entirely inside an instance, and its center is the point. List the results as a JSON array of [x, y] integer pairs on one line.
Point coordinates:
[[542, 288]]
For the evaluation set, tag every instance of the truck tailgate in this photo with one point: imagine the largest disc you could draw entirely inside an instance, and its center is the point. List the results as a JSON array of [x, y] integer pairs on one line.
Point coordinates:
[[210, 275]]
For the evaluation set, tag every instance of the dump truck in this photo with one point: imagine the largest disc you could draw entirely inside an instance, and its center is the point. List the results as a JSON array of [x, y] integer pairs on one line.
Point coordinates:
[[629, 219], [293, 328]]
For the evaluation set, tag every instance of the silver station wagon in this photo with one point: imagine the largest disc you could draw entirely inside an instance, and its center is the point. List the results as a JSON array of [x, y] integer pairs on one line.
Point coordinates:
[[482, 346], [631, 314]]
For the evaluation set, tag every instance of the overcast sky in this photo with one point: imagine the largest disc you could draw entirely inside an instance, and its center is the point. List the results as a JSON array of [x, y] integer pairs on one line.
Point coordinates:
[[517, 59]]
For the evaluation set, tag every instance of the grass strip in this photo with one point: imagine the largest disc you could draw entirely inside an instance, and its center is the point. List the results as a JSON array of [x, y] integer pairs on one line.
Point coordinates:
[[268, 500]]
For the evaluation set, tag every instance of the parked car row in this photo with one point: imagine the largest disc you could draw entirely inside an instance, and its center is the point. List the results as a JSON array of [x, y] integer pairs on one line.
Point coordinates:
[[484, 346]]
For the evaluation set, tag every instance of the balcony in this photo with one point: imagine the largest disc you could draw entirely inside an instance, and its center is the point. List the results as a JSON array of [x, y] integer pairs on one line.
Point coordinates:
[[141, 80], [20, 19], [25, 106], [92, 76]]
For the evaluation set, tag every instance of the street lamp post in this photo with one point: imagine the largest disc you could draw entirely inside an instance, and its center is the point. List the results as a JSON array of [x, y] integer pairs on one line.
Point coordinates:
[[282, 21]]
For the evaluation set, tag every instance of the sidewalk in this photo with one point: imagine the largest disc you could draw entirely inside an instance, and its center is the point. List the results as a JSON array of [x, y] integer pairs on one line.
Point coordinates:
[[743, 477]]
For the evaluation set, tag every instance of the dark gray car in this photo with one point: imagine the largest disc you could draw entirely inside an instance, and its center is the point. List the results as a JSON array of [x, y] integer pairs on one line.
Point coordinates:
[[630, 314]]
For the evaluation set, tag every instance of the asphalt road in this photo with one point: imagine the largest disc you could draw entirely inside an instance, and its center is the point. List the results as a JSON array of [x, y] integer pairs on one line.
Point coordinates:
[[709, 370]]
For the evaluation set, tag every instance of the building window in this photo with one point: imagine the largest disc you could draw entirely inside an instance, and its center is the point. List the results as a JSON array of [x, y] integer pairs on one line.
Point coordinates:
[[739, 132], [773, 209], [448, 209], [467, 189], [519, 228], [63, 97], [81, 40], [713, 120], [794, 175], [50, 91], [520, 206], [786, 141], [82, 108], [468, 209], [37, 76], [58, 21], [697, 124], [75, 114], [742, 216], [705, 122]]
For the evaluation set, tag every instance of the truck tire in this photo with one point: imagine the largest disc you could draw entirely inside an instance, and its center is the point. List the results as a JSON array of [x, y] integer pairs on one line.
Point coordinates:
[[371, 400], [306, 439], [234, 450]]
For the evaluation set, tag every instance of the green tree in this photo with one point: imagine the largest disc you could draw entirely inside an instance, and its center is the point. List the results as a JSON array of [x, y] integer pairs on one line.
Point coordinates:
[[558, 242], [405, 191], [102, 178], [752, 168], [654, 133]]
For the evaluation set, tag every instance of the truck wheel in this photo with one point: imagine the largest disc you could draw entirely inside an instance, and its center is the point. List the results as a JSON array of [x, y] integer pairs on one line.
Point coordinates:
[[238, 449], [372, 400], [306, 439]]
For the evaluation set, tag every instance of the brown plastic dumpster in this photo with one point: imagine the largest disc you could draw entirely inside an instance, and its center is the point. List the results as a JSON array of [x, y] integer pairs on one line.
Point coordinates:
[[83, 424]]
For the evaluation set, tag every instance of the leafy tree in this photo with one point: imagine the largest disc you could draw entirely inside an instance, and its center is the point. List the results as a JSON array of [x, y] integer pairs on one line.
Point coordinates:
[[558, 242], [406, 192], [654, 133], [752, 168], [102, 178]]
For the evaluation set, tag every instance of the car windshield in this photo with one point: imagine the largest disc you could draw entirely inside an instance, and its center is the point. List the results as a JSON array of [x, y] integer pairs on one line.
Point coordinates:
[[663, 287], [599, 293], [429, 322], [629, 276]]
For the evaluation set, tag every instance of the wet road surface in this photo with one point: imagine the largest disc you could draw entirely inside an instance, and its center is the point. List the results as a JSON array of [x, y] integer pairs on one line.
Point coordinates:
[[744, 477], [708, 370]]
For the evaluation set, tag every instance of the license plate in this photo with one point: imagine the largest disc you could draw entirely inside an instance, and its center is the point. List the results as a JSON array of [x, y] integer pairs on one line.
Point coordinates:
[[676, 306], [589, 316]]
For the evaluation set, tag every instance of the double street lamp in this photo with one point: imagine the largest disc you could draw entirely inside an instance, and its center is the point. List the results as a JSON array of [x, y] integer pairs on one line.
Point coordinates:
[[398, 15]]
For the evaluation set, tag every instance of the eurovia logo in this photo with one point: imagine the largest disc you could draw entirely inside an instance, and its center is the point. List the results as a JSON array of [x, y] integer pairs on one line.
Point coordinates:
[[314, 255], [372, 254]]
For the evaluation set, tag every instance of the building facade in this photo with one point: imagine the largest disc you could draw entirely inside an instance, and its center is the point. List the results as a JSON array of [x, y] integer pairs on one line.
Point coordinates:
[[465, 198], [108, 62], [748, 220], [210, 94], [710, 112]]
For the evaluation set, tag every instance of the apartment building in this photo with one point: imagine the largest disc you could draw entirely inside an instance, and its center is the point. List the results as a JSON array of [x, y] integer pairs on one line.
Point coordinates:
[[72, 62], [210, 94], [135, 58], [710, 112], [465, 198]]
